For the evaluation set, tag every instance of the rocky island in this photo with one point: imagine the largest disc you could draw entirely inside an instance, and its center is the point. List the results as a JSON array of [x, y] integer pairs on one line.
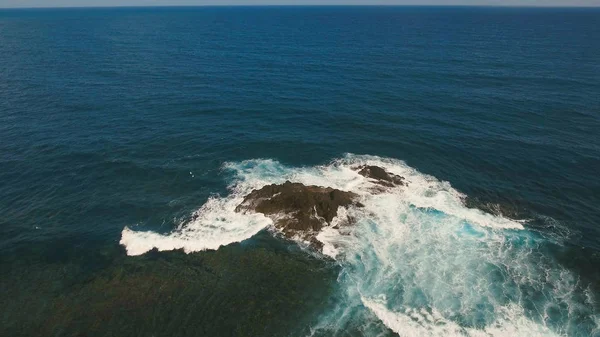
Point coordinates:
[[298, 210]]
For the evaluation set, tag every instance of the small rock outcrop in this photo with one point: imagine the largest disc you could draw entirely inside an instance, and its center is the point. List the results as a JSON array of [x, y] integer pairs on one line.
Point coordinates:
[[498, 206], [381, 176]]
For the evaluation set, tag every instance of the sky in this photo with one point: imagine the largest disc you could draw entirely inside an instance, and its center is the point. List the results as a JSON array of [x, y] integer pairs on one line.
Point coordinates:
[[96, 3]]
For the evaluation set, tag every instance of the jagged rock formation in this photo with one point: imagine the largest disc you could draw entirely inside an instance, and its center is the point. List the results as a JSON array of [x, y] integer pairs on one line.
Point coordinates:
[[296, 207], [302, 211]]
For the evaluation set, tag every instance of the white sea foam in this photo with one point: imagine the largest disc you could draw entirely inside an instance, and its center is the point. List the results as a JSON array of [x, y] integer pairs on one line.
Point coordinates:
[[417, 258], [423, 323], [216, 224]]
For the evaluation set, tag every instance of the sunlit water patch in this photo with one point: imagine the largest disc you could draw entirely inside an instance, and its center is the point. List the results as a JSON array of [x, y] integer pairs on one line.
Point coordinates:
[[417, 262]]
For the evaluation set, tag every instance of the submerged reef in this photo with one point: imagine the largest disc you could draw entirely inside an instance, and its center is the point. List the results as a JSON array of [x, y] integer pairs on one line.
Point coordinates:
[[249, 289]]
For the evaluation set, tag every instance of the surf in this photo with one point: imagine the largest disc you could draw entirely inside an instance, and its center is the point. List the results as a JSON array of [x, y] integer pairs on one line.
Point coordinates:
[[417, 261]]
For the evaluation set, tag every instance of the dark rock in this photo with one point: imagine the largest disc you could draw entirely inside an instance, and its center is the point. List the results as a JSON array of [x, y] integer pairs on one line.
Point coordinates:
[[302, 211], [297, 209], [381, 176], [498, 205]]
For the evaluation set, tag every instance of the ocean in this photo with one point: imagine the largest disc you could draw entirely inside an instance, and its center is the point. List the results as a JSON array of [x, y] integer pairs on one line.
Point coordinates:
[[129, 135]]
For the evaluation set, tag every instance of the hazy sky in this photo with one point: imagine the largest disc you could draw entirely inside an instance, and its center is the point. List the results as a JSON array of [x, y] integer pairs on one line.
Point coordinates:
[[78, 3]]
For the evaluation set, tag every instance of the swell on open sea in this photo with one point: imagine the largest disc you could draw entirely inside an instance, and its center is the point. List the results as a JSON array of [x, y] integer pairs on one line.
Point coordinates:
[[128, 137]]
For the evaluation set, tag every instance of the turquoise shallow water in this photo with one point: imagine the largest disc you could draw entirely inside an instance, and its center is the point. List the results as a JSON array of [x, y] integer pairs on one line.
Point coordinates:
[[137, 118]]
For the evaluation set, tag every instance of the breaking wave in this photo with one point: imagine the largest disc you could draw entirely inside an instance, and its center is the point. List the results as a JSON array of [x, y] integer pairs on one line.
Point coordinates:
[[418, 261]]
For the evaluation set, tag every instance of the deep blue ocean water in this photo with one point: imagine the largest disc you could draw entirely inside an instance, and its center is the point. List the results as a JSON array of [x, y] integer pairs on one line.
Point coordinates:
[[133, 117]]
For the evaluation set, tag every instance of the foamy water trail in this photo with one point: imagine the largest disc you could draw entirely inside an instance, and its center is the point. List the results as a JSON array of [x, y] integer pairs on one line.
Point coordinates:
[[417, 261], [216, 223]]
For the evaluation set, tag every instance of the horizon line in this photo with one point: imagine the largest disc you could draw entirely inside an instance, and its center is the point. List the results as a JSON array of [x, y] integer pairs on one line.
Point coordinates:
[[304, 5]]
